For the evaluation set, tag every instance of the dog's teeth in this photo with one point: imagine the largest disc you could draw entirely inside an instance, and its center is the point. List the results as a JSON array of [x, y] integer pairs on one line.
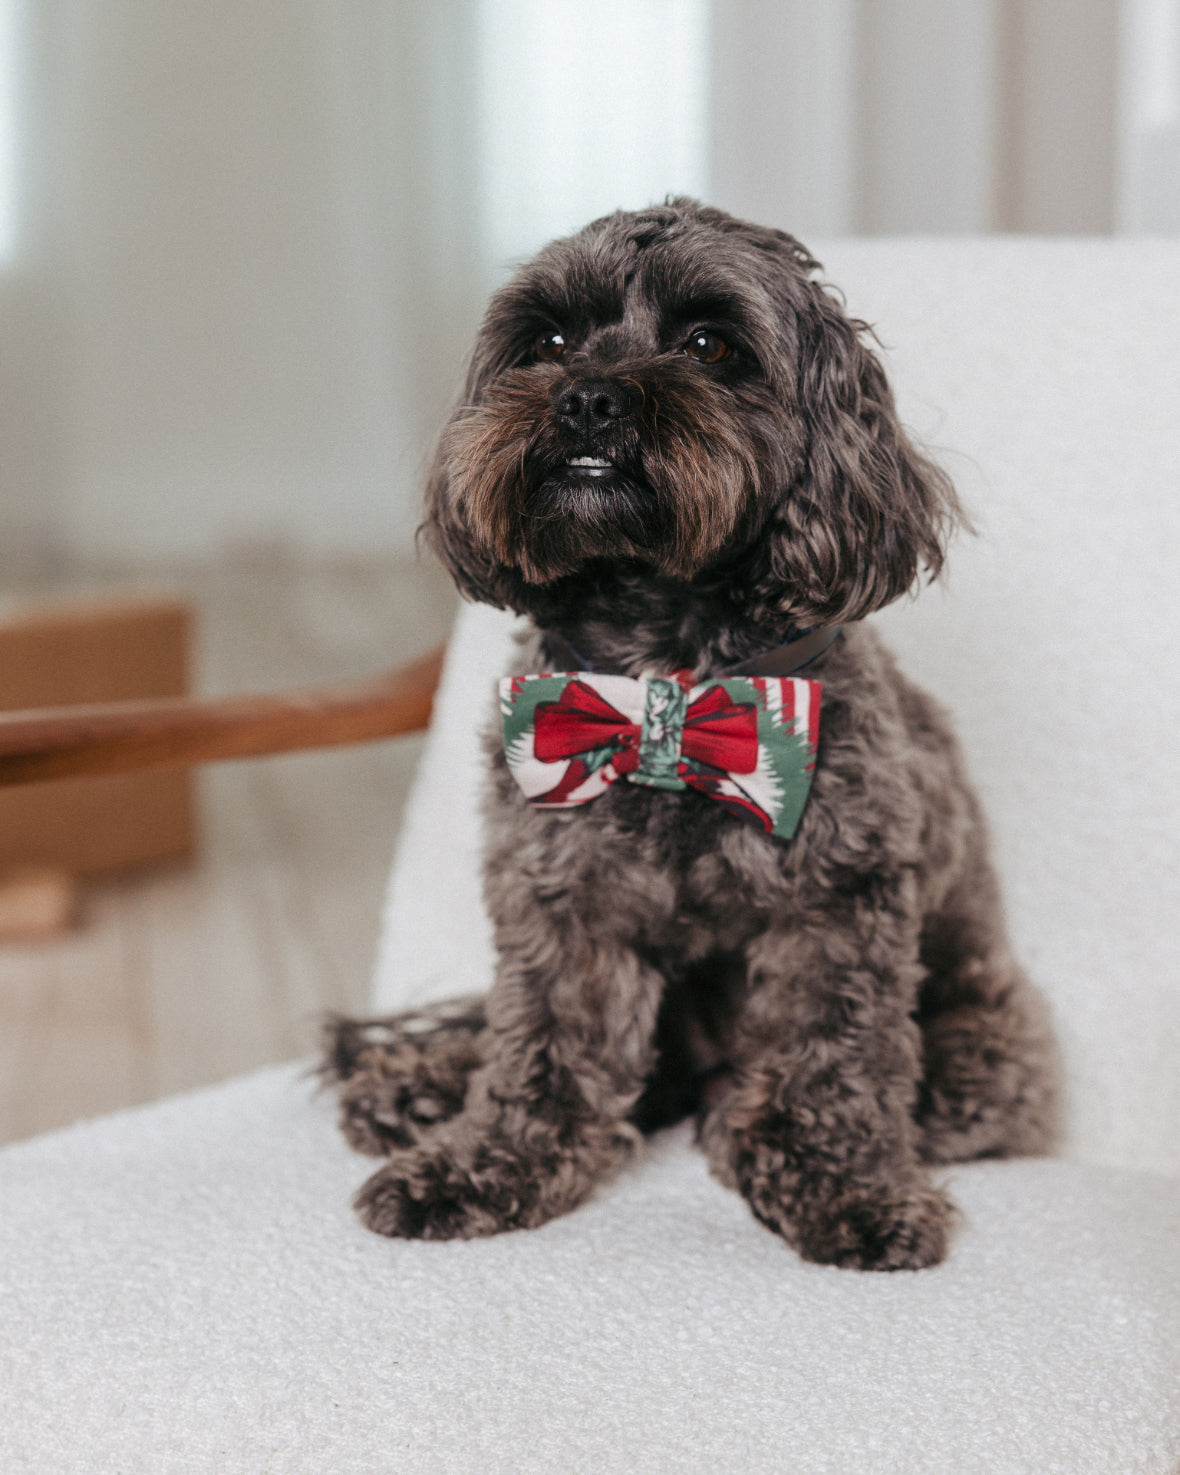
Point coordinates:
[[589, 461]]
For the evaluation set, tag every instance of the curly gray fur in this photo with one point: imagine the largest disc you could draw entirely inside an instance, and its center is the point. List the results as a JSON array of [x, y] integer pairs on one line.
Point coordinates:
[[842, 1011]]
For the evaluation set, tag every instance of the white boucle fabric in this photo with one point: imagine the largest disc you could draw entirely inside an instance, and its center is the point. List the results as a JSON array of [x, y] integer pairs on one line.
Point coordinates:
[[184, 1289], [436, 939], [1046, 376]]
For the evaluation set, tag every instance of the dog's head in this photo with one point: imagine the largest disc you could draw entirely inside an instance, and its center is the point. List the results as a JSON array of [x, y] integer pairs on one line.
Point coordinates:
[[672, 389]]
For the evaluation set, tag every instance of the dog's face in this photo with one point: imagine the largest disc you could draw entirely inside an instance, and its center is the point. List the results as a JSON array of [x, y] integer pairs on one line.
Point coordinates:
[[671, 390]]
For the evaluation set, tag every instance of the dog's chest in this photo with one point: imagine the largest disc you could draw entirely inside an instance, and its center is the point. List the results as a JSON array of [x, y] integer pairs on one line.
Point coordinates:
[[683, 876]]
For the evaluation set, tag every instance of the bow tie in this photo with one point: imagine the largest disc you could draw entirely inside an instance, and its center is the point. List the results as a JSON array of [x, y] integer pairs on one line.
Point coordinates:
[[747, 741]]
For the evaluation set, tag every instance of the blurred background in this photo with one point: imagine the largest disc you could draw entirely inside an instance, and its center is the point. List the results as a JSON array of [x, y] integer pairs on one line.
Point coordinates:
[[244, 245]]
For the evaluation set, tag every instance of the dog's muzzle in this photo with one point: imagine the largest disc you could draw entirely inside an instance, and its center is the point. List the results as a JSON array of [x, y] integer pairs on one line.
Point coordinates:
[[590, 410]]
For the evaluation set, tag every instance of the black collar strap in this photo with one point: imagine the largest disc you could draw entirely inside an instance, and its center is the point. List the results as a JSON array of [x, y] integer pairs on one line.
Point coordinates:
[[780, 660]]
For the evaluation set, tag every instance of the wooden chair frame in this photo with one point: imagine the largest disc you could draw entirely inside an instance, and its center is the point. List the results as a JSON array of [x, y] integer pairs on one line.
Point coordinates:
[[118, 737]]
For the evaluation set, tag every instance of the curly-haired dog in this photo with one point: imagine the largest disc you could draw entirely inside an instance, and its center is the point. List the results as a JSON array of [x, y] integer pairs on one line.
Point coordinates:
[[676, 454]]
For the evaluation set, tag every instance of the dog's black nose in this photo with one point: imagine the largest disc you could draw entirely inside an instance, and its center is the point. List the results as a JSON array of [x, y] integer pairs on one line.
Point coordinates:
[[591, 405]]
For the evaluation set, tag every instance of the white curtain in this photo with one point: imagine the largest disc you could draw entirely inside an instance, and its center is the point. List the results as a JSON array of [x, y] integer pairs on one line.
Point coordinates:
[[248, 240], [1149, 175], [11, 46], [582, 109]]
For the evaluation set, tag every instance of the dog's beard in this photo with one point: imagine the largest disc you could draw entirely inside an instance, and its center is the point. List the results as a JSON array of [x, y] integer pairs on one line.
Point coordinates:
[[572, 513], [671, 486]]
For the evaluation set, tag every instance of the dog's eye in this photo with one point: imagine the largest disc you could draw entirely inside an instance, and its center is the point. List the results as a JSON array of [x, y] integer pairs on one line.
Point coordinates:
[[707, 348], [549, 346]]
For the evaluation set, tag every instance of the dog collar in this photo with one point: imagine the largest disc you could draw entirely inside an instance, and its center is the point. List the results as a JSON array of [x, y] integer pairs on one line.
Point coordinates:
[[779, 660], [792, 655]]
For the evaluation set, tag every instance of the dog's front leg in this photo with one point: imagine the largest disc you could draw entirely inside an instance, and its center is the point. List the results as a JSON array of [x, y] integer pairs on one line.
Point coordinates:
[[571, 1021], [818, 1132]]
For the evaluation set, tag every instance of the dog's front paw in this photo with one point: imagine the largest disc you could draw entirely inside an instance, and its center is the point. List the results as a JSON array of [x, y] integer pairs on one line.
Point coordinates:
[[420, 1195], [399, 1078], [396, 1101], [883, 1228]]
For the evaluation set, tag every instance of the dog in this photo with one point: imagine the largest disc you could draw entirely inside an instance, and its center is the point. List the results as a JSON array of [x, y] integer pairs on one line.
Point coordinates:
[[680, 458]]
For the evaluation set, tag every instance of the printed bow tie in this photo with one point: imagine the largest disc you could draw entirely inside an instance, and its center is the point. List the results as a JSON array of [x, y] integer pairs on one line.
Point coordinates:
[[747, 741]]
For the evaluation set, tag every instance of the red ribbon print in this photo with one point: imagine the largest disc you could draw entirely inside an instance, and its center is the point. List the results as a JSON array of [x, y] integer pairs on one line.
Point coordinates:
[[721, 733], [717, 731]]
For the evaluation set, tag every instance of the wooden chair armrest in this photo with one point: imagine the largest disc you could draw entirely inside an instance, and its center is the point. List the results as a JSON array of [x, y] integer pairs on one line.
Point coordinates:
[[114, 737]]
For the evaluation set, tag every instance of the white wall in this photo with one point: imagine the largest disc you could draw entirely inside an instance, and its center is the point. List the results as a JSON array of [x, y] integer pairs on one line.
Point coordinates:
[[227, 375], [1061, 67], [783, 141], [928, 78], [219, 289], [869, 117]]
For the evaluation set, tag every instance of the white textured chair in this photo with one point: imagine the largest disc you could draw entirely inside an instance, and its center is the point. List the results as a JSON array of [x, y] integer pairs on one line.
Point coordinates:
[[184, 1288]]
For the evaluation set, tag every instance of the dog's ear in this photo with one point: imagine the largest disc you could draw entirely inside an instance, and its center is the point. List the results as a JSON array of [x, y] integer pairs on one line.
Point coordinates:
[[445, 533], [868, 511], [444, 528]]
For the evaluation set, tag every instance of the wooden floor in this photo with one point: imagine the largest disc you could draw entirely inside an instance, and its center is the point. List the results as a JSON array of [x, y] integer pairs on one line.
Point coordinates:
[[185, 976]]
